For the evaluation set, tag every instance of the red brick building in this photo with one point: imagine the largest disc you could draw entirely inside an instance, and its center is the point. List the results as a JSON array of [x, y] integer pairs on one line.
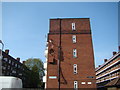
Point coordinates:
[[77, 68]]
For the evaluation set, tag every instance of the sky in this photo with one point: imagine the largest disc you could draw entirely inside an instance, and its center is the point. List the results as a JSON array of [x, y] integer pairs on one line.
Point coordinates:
[[25, 26]]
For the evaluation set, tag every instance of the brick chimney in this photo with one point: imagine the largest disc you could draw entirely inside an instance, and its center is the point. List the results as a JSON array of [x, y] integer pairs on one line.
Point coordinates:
[[119, 49], [23, 62], [7, 51], [105, 60], [114, 53], [18, 59]]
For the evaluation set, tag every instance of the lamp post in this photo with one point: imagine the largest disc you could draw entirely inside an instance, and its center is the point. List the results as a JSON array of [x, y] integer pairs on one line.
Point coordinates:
[[59, 56], [2, 44], [1, 58]]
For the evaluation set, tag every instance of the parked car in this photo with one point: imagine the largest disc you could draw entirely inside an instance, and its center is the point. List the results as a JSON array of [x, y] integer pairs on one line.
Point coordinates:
[[10, 82]]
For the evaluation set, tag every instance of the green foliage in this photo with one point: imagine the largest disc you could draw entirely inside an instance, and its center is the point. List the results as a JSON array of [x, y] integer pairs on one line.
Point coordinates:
[[37, 72]]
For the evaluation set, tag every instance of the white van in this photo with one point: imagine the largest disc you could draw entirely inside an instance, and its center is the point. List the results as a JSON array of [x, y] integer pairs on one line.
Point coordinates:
[[10, 82]]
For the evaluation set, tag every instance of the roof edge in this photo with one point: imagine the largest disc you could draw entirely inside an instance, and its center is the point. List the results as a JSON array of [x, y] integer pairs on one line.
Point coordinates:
[[67, 18]]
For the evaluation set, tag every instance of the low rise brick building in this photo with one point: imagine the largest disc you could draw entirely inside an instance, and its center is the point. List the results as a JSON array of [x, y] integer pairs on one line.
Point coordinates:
[[13, 67]]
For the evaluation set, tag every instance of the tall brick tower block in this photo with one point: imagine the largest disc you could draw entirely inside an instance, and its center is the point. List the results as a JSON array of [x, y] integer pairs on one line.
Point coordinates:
[[76, 54]]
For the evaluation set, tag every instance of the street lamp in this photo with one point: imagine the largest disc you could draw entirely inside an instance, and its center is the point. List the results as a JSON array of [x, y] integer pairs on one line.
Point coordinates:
[[59, 57], [2, 44], [1, 57]]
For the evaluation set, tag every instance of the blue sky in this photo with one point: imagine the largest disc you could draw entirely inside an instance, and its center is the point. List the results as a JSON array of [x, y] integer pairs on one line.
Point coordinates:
[[26, 24]]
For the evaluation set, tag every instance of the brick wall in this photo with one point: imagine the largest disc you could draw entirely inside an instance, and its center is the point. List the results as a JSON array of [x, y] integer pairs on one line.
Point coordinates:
[[84, 59]]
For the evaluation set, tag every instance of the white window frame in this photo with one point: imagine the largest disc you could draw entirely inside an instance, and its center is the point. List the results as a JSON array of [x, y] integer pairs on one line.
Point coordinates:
[[9, 61], [89, 82], [75, 85], [74, 38], [75, 68], [6, 59], [73, 26], [83, 83], [74, 53]]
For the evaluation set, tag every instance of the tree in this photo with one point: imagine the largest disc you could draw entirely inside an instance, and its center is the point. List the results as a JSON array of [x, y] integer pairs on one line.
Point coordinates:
[[37, 71]]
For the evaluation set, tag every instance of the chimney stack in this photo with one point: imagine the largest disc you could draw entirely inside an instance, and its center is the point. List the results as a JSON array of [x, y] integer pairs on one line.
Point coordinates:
[[114, 53], [23, 62], [105, 60], [18, 58], [7, 51], [119, 49]]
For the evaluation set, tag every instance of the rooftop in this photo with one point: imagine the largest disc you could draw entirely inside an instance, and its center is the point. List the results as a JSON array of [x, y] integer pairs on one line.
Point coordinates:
[[69, 18], [114, 56]]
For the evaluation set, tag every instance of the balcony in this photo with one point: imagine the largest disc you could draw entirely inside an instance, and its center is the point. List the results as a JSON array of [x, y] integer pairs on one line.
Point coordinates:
[[108, 73], [108, 67], [113, 77]]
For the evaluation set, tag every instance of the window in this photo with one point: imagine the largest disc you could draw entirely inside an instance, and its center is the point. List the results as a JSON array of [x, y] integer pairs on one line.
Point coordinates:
[[3, 67], [74, 53], [11, 68], [6, 59], [8, 67], [20, 74], [18, 66], [15, 65], [73, 26], [90, 77], [89, 82], [82, 82], [74, 38], [13, 71], [75, 85], [75, 68], [12, 63], [9, 61]]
